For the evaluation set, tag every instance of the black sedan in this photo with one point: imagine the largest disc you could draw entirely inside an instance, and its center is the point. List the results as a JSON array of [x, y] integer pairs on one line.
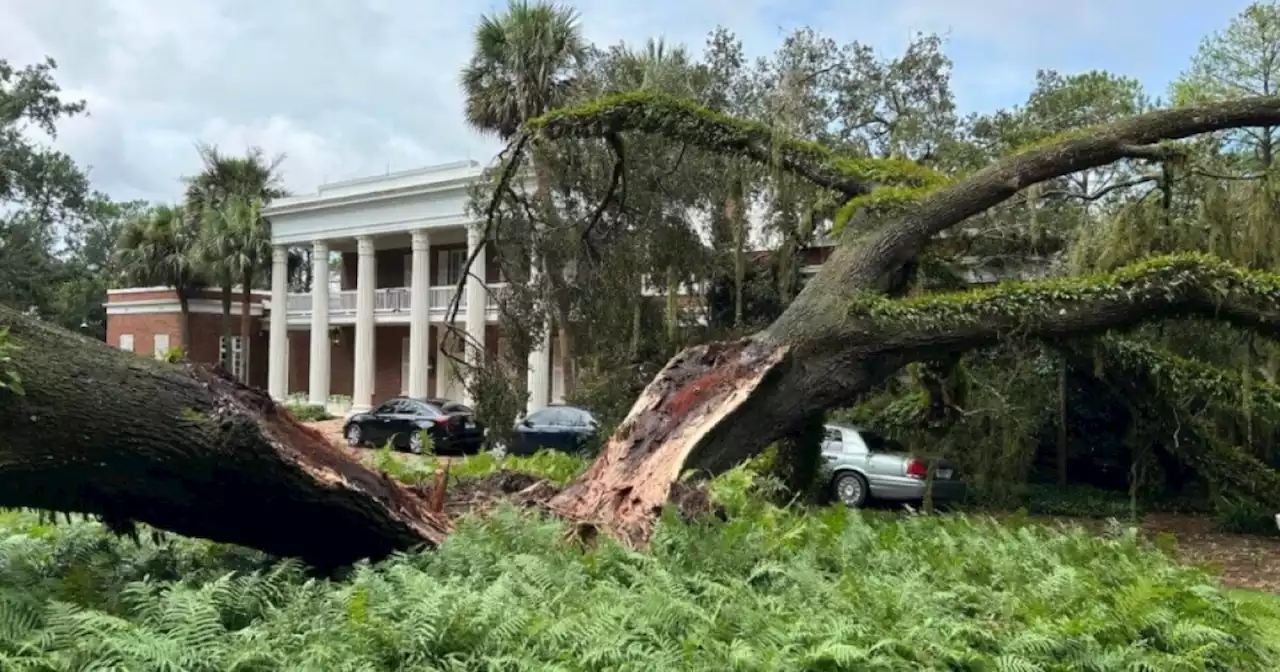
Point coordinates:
[[401, 421], [565, 428]]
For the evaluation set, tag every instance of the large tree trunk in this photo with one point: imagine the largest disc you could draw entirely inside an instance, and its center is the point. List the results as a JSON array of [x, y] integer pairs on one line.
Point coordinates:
[[188, 449]]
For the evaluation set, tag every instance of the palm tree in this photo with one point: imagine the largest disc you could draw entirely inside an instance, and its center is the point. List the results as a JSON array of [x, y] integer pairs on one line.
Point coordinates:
[[159, 248], [236, 228], [526, 62], [223, 179]]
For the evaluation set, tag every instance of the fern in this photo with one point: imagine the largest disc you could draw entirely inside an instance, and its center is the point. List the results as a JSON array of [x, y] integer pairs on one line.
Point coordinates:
[[770, 589]]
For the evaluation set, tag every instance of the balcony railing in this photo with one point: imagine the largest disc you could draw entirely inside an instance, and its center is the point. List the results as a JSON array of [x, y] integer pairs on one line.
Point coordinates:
[[392, 300]]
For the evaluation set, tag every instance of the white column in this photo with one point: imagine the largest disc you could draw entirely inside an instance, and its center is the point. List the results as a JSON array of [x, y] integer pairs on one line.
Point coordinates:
[[278, 345], [318, 385], [366, 285], [477, 301], [539, 356], [419, 314]]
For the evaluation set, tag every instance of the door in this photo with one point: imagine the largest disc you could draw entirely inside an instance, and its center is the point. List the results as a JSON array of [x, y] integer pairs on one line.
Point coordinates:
[[401, 422], [377, 426]]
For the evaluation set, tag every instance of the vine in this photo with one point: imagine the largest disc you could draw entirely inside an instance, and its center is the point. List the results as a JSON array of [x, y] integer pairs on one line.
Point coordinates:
[[1168, 280], [685, 121]]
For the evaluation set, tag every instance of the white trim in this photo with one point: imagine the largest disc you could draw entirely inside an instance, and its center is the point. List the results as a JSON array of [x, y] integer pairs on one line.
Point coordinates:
[[162, 288], [159, 306], [322, 202], [341, 231]]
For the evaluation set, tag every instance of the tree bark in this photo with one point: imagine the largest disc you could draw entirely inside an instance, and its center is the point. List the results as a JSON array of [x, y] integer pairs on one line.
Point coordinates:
[[246, 324], [188, 449], [714, 405], [225, 295], [184, 319]]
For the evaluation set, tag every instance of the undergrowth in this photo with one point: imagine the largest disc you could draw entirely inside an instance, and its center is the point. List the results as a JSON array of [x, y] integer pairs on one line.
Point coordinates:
[[770, 589]]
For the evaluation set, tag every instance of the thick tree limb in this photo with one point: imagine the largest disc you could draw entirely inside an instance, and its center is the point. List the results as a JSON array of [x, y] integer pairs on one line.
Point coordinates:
[[686, 122], [184, 448], [861, 262], [1190, 284]]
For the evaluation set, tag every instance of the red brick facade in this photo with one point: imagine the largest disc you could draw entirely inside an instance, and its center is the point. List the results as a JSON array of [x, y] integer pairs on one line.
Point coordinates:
[[155, 312]]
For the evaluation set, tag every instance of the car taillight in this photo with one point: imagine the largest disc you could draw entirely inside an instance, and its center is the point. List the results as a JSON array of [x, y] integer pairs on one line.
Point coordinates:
[[917, 469]]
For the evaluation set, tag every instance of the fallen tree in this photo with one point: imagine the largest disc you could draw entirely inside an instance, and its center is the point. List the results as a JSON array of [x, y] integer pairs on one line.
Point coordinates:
[[714, 405], [185, 449]]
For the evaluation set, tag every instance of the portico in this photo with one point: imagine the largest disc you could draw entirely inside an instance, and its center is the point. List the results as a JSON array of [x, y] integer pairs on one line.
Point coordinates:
[[388, 255]]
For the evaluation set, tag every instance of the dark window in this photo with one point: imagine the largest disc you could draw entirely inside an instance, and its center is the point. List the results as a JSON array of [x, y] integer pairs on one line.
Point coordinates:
[[451, 407], [545, 417], [879, 444], [419, 408], [389, 408], [834, 436]]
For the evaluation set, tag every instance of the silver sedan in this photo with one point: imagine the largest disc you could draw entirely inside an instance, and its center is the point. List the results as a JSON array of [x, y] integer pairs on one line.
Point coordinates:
[[868, 466]]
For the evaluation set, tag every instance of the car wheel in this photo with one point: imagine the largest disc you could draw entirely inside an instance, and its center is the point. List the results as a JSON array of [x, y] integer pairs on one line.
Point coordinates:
[[851, 488], [415, 443], [353, 436]]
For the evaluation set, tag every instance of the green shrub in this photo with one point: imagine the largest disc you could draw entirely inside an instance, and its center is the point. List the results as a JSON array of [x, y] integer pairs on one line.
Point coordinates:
[[774, 590], [1245, 517], [174, 354], [308, 412]]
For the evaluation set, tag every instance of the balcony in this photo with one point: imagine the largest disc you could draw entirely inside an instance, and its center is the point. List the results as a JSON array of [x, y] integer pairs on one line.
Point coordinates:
[[391, 301]]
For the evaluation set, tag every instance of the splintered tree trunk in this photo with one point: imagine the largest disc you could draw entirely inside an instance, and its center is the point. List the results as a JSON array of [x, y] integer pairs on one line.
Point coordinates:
[[699, 392], [188, 449]]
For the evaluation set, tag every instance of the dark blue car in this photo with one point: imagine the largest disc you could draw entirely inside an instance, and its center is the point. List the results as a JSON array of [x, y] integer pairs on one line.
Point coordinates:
[[558, 427]]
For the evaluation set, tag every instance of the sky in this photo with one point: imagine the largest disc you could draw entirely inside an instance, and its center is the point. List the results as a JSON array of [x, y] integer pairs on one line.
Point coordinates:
[[348, 88]]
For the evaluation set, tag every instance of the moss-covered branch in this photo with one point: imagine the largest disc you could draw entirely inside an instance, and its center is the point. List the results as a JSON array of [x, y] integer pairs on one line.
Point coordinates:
[[1188, 284], [685, 121]]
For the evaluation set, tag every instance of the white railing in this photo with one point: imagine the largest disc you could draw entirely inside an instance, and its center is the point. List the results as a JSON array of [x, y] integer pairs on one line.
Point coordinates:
[[390, 301]]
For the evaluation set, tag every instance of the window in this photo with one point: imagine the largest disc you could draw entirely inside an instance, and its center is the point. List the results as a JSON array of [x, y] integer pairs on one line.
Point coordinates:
[[161, 345], [233, 356], [833, 435], [126, 342], [449, 263], [408, 270], [393, 407]]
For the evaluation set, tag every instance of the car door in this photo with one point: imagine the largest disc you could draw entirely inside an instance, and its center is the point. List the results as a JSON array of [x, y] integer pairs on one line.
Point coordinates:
[[540, 430], [377, 427], [400, 422]]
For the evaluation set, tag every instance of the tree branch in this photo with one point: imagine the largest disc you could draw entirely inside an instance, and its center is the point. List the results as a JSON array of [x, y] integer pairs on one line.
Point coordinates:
[[1191, 284], [865, 260], [685, 121]]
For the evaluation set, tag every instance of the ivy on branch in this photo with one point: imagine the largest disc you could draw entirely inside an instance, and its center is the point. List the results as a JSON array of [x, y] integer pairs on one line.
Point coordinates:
[[685, 121], [1184, 284]]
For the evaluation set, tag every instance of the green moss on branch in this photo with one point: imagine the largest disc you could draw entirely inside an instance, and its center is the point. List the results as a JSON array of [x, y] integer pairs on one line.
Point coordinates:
[[685, 121], [1187, 284]]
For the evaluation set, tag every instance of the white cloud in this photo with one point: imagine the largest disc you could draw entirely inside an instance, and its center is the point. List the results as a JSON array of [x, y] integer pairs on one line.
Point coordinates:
[[351, 87]]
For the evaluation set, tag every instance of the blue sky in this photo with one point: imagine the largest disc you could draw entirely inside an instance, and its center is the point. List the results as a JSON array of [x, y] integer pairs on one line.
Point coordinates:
[[355, 87]]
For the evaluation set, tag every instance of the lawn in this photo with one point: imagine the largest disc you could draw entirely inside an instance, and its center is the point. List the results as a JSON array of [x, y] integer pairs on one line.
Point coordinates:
[[768, 589]]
